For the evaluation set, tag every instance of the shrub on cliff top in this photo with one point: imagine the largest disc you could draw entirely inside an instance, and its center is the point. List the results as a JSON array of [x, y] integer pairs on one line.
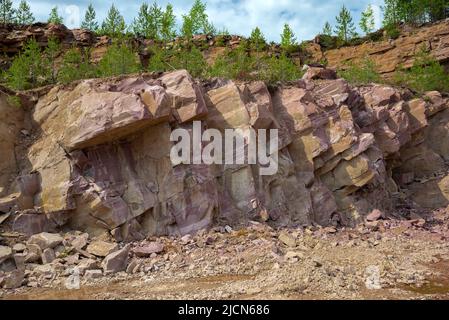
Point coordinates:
[[426, 74], [364, 72], [280, 69], [75, 66], [190, 59], [27, 70], [233, 64], [119, 59]]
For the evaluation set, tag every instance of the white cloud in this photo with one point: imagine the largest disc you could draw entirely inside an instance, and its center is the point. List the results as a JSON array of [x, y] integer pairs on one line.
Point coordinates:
[[306, 17]]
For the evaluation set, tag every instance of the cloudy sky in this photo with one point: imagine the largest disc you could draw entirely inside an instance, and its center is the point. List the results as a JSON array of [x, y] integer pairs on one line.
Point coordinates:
[[307, 17]]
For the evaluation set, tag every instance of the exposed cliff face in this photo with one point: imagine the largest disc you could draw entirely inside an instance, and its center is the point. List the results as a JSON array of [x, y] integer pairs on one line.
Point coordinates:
[[391, 55], [97, 156]]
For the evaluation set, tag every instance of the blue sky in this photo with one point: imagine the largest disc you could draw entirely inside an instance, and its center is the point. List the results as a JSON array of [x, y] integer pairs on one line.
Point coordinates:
[[307, 17]]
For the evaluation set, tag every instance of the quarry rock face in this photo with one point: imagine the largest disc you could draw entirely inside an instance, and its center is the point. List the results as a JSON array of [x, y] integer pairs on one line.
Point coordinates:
[[392, 54], [98, 159]]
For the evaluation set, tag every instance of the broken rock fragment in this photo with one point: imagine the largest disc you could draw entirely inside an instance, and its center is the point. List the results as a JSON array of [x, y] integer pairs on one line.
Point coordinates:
[[117, 261]]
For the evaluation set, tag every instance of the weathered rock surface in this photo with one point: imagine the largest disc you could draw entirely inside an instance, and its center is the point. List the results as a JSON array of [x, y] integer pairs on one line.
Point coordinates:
[[100, 163], [13, 38], [5, 253], [11, 122], [117, 261], [101, 248], [148, 249], [46, 240], [391, 55]]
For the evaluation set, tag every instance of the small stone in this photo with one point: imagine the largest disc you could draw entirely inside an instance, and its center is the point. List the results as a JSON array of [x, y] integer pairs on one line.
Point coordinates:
[[19, 247], [60, 251], [374, 215], [13, 279], [72, 259], [209, 241], [186, 239], [264, 215], [148, 249], [79, 242], [46, 240], [5, 253], [101, 248], [34, 253], [93, 274], [117, 235], [228, 229], [47, 271], [8, 265], [132, 266], [48, 255], [87, 264], [19, 259], [317, 263], [293, 254], [419, 223], [116, 261], [287, 239], [252, 291], [330, 230]]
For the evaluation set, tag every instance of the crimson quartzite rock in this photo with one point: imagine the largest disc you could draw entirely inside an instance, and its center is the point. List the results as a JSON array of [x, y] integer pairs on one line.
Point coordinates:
[[116, 261], [101, 162], [5, 253], [375, 215], [93, 274], [48, 255], [148, 249], [46, 240], [13, 279], [101, 248]]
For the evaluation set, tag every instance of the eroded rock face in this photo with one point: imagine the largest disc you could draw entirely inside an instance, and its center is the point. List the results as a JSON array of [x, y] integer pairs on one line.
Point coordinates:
[[11, 122], [101, 161], [391, 55]]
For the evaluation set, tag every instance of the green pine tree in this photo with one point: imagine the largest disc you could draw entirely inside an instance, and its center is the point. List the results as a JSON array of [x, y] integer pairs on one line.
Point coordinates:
[[168, 24], [280, 69], [367, 21], [90, 22], [437, 9], [120, 59], [191, 60], [327, 29], [257, 40], [209, 28], [140, 23], [345, 28], [114, 25], [198, 20], [288, 39], [257, 43], [54, 17], [187, 29], [27, 70], [148, 23], [24, 15], [7, 12], [154, 25], [75, 66], [51, 52], [198, 15]]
